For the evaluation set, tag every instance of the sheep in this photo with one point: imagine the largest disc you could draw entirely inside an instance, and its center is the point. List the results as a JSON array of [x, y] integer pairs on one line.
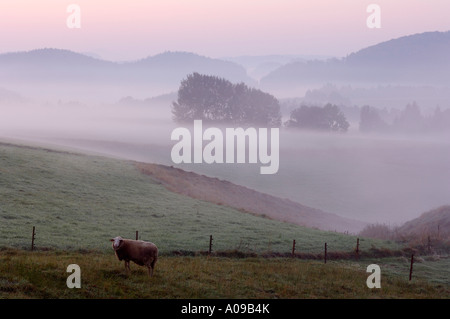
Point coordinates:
[[140, 252]]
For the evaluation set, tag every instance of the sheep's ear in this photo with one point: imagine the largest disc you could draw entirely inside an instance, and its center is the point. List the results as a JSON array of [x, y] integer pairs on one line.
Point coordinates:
[[112, 239]]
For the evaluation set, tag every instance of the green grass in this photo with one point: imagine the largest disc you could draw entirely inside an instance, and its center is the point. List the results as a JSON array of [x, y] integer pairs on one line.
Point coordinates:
[[432, 269], [79, 202], [25, 274]]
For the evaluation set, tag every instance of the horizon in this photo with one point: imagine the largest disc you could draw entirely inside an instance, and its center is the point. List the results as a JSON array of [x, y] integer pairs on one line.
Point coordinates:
[[95, 55], [117, 31]]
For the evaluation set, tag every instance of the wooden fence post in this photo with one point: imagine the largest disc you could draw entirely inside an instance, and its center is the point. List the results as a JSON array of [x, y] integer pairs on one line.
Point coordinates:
[[325, 255], [210, 244], [293, 248], [32, 238], [411, 267], [137, 235], [357, 248]]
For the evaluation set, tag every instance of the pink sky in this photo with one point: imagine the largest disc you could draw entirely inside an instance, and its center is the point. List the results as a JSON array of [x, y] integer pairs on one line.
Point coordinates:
[[133, 29]]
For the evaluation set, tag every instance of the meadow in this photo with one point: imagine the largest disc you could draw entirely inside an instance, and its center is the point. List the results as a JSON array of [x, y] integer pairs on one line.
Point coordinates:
[[77, 202], [42, 275]]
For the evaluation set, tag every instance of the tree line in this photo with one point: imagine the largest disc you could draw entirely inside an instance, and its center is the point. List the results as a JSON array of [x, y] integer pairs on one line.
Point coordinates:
[[217, 100], [214, 99], [408, 120]]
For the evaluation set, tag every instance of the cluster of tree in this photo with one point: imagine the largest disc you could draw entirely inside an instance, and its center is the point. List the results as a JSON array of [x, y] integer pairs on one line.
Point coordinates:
[[409, 120], [327, 118], [214, 99]]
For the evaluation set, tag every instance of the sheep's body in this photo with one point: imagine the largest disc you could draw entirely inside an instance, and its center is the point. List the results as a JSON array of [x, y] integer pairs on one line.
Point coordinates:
[[140, 252]]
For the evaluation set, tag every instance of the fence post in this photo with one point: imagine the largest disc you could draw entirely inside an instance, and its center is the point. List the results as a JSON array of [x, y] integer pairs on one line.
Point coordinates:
[[325, 255], [357, 248], [429, 244], [210, 244], [411, 267], [293, 248], [32, 238], [137, 235]]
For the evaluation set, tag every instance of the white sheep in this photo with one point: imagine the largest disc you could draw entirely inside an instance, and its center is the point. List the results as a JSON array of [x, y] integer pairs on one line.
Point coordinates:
[[140, 252]]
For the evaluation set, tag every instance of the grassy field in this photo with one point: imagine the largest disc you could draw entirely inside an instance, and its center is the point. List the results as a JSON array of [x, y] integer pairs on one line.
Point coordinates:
[[79, 202], [25, 274]]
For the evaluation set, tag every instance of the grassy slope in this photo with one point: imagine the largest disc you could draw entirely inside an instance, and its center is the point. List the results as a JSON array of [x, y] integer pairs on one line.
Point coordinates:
[[242, 198], [78, 201], [434, 223]]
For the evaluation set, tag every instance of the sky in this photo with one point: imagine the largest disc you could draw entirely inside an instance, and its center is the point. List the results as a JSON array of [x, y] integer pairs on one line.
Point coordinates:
[[134, 29]]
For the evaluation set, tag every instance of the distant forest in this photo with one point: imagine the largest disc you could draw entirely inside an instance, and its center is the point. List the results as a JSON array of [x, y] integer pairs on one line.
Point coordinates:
[[372, 119], [217, 100], [409, 120]]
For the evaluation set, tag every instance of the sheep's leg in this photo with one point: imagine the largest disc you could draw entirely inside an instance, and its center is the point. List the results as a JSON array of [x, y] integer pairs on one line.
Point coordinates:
[[151, 267], [127, 265], [150, 271]]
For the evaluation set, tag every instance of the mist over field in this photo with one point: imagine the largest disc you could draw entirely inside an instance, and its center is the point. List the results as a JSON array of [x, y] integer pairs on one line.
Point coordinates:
[[390, 172], [384, 178]]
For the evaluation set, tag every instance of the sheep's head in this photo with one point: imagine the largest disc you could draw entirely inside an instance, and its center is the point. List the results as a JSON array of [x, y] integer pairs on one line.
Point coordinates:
[[117, 242]]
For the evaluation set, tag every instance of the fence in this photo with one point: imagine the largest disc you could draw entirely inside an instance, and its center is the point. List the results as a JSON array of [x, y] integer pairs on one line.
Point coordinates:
[[355, 254]]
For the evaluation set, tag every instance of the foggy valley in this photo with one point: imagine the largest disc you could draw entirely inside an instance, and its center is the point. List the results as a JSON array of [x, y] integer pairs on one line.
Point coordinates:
[[236, 157], [64, 99]]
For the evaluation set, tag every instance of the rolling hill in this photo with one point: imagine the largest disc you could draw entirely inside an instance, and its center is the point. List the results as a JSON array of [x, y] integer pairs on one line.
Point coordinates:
[[419, 59], [65, 74], [415, 59], [434, 223], [77, 201]]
